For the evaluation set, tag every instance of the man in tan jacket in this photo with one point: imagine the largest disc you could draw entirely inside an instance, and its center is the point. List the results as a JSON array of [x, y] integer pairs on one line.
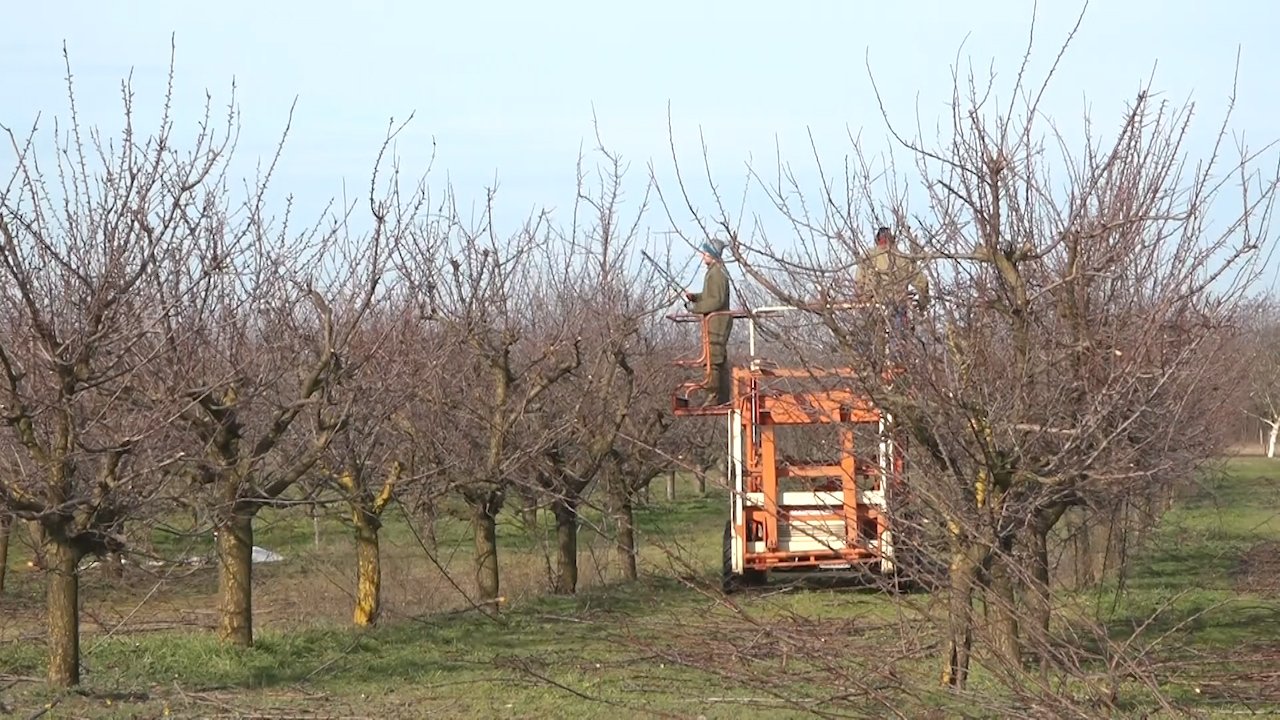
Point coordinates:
[[885, 276]]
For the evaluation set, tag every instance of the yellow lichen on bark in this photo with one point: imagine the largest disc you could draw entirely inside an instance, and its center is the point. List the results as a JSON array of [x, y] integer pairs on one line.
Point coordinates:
[[368, 577], [366, 515]]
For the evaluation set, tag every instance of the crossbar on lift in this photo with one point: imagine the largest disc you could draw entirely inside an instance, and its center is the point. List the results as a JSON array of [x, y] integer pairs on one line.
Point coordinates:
[[704, 357]]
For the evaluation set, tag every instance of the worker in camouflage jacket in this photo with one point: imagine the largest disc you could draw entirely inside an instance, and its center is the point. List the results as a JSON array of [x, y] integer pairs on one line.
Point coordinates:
[[884, 277], [714, 298]]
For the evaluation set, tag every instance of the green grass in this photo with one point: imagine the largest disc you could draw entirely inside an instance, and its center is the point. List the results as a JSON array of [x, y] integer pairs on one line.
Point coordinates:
[[516, 666], [1196, 556], [1207, 610], [665, 644]]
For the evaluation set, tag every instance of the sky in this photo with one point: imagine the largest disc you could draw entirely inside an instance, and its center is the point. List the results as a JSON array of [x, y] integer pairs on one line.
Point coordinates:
[[507, 91]]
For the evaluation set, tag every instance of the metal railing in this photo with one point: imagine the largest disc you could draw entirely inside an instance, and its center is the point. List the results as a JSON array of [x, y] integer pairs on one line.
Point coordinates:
[[751, 316]]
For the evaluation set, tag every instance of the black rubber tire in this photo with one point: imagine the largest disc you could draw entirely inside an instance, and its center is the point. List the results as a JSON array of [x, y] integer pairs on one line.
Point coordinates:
[[730, 581]]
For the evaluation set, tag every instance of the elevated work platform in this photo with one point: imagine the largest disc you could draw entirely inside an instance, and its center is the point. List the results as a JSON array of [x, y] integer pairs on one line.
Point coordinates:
[[813, 464]]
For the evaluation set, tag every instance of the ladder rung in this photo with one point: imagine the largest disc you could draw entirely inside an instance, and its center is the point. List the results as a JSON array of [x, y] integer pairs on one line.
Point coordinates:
[[830, 499], [810, 471]]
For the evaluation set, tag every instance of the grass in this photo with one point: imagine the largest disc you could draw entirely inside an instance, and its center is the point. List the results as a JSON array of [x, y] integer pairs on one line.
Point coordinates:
[[664, 645], [1204, 546], [466, 667], [1204, 591]]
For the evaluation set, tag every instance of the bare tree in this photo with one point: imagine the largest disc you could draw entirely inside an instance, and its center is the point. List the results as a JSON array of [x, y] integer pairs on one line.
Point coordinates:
[[6, 532], [480, 289], [253, 353], [371, 460], [651, 441], [422, 428], [1264, 372], [584, 416], [79, 235], [1074, 353], [371, 384]]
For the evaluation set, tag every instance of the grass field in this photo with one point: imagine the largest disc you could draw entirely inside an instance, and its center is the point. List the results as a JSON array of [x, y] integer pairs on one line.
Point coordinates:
[[666, 645]]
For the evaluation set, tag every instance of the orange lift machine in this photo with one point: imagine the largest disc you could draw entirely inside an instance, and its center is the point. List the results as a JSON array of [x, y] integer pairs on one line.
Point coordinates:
[[822, 499]]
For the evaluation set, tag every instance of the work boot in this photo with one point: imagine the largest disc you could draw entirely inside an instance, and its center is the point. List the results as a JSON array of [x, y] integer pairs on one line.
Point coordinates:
[[708, 398]]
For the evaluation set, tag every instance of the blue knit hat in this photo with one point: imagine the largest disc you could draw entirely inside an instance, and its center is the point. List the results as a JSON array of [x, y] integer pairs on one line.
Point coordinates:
[[713, 247]]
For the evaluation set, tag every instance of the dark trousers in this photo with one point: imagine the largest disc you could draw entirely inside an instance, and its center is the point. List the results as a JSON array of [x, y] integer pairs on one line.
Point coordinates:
[[719, 379], [892, 328], [721, 382]]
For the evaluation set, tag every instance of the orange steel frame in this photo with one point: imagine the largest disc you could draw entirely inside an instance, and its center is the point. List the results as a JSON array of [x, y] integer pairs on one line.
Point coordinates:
[[680, 398], [759, 473], [764, 472]]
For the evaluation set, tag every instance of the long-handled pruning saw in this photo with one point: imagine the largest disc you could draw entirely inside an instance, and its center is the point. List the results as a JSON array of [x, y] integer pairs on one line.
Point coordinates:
[[675, 286]]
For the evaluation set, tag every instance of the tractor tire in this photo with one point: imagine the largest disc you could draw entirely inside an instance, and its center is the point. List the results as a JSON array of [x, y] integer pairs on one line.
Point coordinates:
[[730, 581]]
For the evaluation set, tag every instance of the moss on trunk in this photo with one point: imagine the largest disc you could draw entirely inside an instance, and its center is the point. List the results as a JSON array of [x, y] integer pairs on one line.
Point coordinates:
[[63, 608], [368, 573], [235, 578]]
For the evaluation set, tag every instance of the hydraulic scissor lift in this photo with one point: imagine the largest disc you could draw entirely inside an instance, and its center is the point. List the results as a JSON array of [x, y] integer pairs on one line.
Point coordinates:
[[828, 510]]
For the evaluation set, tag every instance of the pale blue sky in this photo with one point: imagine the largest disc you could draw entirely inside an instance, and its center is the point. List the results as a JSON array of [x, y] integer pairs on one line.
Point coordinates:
[[508, 88]]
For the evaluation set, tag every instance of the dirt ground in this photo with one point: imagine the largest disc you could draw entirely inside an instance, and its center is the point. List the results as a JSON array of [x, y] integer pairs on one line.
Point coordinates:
[[1247, 450], [316, 588]]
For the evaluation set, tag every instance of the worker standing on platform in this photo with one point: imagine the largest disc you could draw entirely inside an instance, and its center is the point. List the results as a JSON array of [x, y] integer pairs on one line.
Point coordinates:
[[714, 298], [884, 277]]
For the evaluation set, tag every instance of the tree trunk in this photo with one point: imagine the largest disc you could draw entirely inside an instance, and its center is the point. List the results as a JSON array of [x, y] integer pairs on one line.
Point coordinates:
[[1272, 436], [1101, 532], [963, 576], [1127, 520], [671, 486], [113, 563], [36, 531], [113, 566], [1002, 601], [63, 607], [702, 483], [235, 578], [484, 520], [1039, 597], [314, 511], [566, 512], [6, 531], [368, 569], [1081, 552], [623, 513], [429, 536], [425, 513], [1039, 605]]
